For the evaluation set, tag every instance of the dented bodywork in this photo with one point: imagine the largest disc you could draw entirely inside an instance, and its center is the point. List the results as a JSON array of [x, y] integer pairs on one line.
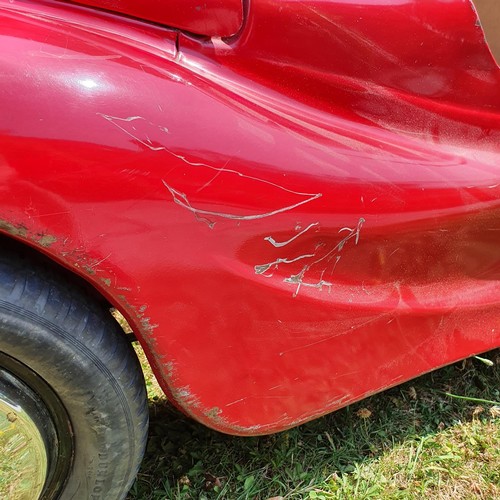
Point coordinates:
[[290, 221], [215, 18]]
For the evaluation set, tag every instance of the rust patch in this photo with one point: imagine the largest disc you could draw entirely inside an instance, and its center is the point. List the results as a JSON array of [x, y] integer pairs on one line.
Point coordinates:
[[184, 397], [19, 230], [145, 325], [169, 367], [46, 240], [213, 413], [88, 269], [190, 404]]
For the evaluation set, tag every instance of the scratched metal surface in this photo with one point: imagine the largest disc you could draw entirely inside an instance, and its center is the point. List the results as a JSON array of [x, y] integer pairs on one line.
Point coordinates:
[[289, 224]]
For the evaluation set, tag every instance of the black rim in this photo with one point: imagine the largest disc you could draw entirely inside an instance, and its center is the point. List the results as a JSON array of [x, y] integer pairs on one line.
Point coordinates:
[[51, 420]]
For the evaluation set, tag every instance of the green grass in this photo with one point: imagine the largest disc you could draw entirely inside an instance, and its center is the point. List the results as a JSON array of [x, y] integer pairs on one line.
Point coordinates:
[[409, 442]]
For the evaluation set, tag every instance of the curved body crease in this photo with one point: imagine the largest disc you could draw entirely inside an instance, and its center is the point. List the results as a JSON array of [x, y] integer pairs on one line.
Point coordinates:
[[289, 219]]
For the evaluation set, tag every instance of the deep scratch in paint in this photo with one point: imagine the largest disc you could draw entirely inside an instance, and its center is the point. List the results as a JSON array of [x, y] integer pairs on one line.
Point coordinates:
[[203, 215], [181, 198], [262, 268], [115, 119], [276, 244], [334, 253]]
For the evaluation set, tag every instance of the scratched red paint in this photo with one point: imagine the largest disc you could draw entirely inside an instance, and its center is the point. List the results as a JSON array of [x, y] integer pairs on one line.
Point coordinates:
[[291, 219]]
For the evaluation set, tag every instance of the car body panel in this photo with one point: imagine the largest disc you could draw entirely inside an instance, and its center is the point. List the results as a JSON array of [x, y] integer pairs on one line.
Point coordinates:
[[422, 67], [218, 18], [279, 253]]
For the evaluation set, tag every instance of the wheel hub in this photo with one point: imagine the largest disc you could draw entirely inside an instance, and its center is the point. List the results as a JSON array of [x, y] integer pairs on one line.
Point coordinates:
[[26, 430]]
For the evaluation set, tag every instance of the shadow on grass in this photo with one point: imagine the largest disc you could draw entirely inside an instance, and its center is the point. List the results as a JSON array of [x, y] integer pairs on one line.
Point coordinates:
[[186, 460]]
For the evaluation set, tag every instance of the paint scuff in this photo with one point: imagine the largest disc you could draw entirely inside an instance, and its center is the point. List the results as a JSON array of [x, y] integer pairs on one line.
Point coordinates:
[[150, 138], [330, 259], [276, 244]]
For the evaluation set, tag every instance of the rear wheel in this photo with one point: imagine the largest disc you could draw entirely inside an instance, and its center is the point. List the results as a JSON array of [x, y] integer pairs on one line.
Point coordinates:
[[73, 407]]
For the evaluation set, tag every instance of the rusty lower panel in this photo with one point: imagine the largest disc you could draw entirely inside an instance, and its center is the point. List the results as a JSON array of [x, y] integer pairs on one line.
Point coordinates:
[[88, 268], [20, 231]]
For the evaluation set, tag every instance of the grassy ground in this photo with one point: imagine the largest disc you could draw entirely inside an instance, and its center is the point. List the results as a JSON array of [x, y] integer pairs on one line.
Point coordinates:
[[410, 442]]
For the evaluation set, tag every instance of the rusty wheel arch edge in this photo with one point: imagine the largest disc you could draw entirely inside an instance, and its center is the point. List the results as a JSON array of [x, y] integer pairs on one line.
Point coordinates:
[[80, 270]]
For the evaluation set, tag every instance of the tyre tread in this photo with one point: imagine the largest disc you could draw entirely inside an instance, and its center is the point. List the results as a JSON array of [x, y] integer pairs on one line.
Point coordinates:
[[39, 290]]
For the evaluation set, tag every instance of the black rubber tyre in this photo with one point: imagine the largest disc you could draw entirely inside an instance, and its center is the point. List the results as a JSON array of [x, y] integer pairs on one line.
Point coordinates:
[[59, 341]]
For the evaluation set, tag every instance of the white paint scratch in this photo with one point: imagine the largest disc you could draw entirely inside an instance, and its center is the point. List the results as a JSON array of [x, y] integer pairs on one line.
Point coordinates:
[[274, 243], [95, 264], [298, 279], [333, 254], [213, 178], [352, 329], [353, 233], [182, 200], [114, 120], [262, 268]]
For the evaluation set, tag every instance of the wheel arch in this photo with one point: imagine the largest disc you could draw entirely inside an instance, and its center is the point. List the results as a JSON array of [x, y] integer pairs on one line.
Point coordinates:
[[34, 246], [88, 75], [60, 340]]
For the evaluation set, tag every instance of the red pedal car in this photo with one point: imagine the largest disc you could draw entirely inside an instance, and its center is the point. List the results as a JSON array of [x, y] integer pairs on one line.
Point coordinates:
[[294, 204]]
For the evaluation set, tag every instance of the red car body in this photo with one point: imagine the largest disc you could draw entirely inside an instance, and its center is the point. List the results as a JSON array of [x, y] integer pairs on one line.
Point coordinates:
[[294, 204]]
